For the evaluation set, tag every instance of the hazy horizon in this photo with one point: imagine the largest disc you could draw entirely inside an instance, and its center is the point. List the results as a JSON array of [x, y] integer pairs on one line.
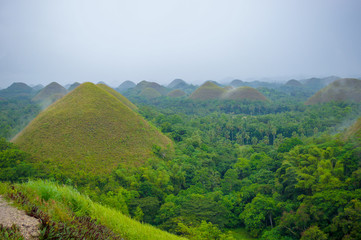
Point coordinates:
[[114, 41]]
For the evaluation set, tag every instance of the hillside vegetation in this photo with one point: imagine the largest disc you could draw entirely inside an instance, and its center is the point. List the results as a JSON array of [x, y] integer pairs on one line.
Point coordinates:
[[64, 205], [90, 131], [119, 96], [345, 89]]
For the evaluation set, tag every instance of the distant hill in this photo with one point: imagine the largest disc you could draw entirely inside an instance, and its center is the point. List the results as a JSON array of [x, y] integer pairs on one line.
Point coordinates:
[[293, 83], [178, 84], [147, 90], [125, 86], [208, 90], [237, 83], [243, 93], [345, 89], [145, 84], [318, 83], [149, 93], [38, 87], [50, 94], [90, 130], [17, 90], [119, 96], [176, 93], [73, 86]]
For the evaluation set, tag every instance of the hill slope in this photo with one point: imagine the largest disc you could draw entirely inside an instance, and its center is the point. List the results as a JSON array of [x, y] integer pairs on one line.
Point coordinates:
[[177, 84], [90, 130], [119, 96], [50, 94], [125, 86], [242, 93], [345, 89], [64, 205], [176, 93], [208, 90], [15, 90], [354, 132]]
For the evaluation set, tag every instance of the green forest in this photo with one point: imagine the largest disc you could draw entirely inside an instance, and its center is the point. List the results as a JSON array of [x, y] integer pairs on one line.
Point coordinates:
[[275, 169]]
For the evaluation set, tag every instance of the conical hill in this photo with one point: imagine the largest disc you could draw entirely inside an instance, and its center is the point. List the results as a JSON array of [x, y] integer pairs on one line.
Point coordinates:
[[208, 90], [90, 130], [242, 93], [50, 94], [119, 96], [345, 89]]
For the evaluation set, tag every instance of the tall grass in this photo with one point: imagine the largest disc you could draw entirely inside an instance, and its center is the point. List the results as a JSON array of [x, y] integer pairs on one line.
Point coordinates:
[[53, 194]]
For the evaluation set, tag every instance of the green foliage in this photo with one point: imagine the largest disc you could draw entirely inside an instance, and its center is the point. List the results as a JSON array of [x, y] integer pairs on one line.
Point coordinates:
[[15, 165], [10, 233], [15, 114], [313, 233]]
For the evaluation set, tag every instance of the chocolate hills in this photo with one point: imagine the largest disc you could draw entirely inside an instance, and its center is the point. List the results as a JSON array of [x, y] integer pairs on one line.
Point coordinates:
[[177, 84], [50, 94], [90, 130], [17, 90], [345, 89], [293, 83], [119, 96], [243, 93], [236, 83], [73, 86], [125, 86], [176, 93], [209, 90], [147, 90]]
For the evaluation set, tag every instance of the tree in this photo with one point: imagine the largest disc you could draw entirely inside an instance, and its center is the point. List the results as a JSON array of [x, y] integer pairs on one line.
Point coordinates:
[[258, 214], [313, 233]]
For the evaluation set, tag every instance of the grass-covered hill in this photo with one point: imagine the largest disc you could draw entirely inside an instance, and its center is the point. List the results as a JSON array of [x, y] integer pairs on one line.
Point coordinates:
[[293, 83], [242, 93], [73, 86], [119, 96], [345, 89], [149, 93], [236, 83], [176, 93], [147, 90], [208, 90], [90, 130], [177, 84], [16, 90], [50, 94], [125, 86]]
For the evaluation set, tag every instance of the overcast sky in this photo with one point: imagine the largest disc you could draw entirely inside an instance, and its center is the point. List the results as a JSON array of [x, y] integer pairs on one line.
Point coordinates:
[[159, 40]]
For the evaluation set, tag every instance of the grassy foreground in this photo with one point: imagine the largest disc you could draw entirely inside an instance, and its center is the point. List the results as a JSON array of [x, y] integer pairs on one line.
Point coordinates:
[[63, 203]]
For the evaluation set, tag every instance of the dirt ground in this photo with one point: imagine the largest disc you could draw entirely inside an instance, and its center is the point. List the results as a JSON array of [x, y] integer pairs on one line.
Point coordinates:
[[10, 215]]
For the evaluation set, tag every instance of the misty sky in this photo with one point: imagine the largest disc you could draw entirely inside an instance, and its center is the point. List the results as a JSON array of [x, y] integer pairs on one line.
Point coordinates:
[[116, 40]]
